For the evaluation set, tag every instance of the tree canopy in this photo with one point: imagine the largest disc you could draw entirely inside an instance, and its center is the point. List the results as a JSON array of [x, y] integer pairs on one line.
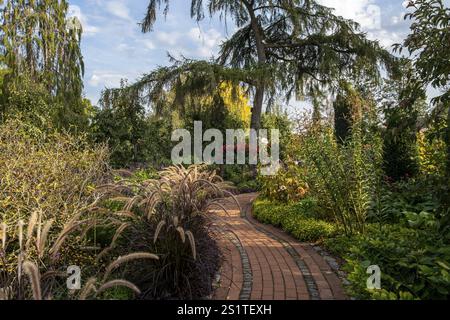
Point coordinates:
[[281, 47], [38, 41]]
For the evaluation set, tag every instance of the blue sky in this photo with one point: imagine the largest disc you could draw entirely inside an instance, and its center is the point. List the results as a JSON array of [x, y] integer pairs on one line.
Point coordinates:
[[114, 48]]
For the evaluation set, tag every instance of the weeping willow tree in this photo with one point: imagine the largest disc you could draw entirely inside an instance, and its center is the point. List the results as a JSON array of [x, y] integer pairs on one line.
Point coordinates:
[[38, 41], [127, 123], [295, 47], [196, 90]]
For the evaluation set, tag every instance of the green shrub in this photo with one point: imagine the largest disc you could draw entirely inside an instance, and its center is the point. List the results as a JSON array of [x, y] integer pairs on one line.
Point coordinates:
[[413, 195], [248, 186], [280, 121], [400, 150], [30, 101], [308, 229], [240, 175], [415, 263], [342, 177], [48, 172], [296, 219], [431, 153], [286, 186]]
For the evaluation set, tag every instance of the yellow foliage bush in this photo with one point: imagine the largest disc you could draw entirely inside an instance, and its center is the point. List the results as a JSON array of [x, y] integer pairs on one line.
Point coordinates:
[[432, 155], [51, 173]]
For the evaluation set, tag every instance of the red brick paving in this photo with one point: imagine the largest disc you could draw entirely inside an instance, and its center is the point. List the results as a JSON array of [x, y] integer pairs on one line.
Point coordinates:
[[275, 273]]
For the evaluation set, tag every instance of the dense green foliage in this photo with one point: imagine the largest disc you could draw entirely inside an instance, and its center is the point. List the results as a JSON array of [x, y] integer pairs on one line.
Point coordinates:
[[139, 137], [342, 177], [133, 137], [347, 108], [403, 105], [297, 219], [429, 38], [49, 172], [32, 54], [414, 263]]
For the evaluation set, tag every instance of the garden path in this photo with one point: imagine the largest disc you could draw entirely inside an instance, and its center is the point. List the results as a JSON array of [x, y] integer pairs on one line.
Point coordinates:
[[261, 262]]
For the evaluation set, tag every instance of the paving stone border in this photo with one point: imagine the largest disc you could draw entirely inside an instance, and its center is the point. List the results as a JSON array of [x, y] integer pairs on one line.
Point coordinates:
[[311, 284], [262, 262], [334, 264], [246, 269]]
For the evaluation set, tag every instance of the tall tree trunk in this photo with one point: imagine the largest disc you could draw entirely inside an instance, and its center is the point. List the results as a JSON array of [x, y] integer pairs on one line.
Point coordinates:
[[262, 60], [316, 113], [257, 108]]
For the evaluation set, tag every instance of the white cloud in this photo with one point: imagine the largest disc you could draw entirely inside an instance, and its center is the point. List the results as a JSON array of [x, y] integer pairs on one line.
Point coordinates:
[[365, 12], [148, 44], [145, 44], [207, 41], [105, 79], [88, 30], [386, 38], [197, 42], [118, 9], [369, 16], [168, 38]]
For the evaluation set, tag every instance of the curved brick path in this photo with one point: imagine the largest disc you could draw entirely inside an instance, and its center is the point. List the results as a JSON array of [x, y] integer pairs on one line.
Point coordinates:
[[262, 262]]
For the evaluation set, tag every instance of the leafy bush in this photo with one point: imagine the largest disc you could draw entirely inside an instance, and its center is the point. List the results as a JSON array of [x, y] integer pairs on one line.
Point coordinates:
[[342, 177], [395, 199], [240, 175], [281, 122], [248, 186], [415, 263], [296, 219], [47, 172], [123, 128], [402, 103], [286, 186], [432, 154], [31, 101]]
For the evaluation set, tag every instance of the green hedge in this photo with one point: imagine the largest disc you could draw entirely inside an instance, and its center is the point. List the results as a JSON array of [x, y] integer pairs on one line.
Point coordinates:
[[296, 219]]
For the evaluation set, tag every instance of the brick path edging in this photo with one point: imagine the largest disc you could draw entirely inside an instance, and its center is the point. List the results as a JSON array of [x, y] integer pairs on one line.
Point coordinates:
[[262, 262]]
